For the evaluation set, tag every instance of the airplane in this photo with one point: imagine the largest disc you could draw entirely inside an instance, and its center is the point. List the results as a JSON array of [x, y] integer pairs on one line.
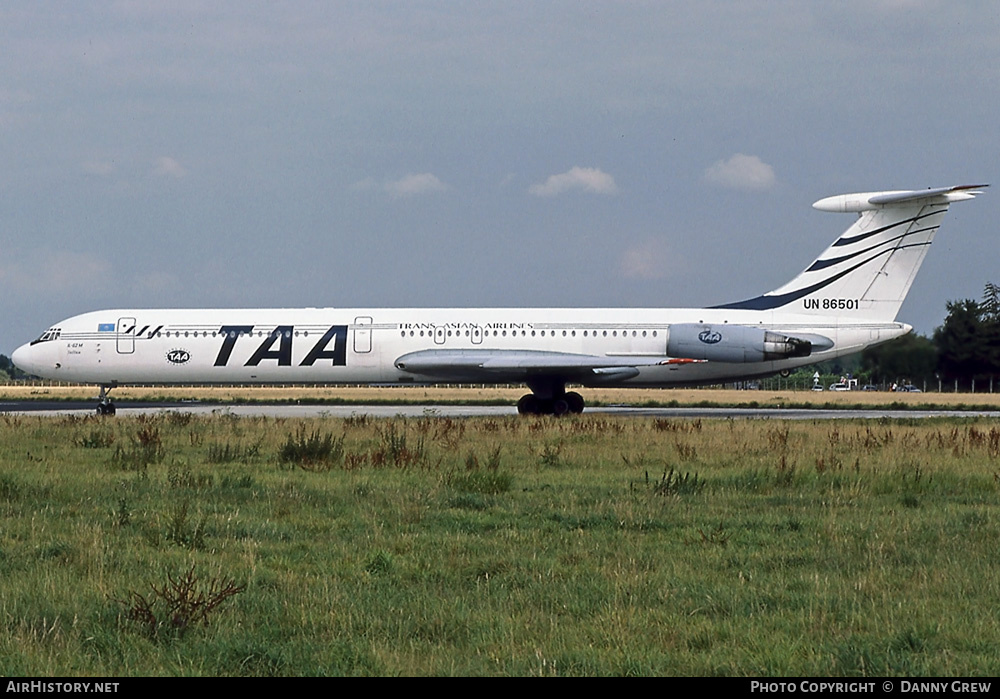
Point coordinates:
[[842, 303]]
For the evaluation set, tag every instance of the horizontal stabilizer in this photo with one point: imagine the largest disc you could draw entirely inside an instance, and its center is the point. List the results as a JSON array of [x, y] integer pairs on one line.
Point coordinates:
[[870, 201]]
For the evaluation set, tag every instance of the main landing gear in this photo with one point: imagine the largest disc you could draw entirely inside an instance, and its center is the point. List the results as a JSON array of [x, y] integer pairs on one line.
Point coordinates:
[[106, 406], [549, 398]]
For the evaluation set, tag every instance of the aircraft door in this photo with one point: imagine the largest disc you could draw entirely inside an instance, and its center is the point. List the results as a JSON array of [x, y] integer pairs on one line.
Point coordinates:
[[477, 335], [125, 335], [439, 335], [362, 334]]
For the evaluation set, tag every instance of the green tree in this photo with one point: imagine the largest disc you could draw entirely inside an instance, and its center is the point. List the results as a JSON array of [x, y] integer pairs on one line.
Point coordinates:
[[8, 370], [991, 303], [968, 343], [910, 358]]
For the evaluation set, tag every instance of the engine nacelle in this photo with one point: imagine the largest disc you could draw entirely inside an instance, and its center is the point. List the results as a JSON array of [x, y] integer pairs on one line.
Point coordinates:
[[736, 344]]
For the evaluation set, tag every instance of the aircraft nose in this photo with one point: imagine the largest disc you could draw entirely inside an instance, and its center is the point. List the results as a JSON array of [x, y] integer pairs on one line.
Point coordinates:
[[25, 358], [20, 358]]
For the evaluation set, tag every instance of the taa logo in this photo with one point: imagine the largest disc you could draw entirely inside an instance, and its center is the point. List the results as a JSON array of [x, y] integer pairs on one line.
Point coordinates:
[[178, 356], [332, 346], [710, 337]]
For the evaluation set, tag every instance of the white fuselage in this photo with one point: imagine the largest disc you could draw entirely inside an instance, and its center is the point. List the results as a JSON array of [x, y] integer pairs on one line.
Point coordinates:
[[333, 345]]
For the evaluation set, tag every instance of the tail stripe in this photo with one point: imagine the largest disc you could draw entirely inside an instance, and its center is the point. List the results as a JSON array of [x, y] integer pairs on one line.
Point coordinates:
[[823, 264], [857, 238], [768, 302]]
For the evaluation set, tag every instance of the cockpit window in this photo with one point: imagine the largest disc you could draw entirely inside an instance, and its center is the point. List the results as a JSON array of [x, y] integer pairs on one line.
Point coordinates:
[[50, 334]]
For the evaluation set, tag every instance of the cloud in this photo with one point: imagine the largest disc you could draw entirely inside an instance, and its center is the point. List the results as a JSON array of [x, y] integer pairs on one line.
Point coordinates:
[[165, 165], [745, 172], [156, 282], [408, 186], [646, 260], [53, 273], [412, 185], [57, 274], [588, 179]]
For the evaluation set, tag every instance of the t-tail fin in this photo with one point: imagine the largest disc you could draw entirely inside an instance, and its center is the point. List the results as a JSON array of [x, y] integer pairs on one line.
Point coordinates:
[[868, 270]]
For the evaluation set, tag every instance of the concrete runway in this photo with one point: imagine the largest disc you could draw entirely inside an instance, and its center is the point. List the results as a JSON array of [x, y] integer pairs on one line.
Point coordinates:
[[125, 409]]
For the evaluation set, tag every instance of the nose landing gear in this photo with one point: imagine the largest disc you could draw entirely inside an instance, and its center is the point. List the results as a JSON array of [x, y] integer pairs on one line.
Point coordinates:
[[106, 406]]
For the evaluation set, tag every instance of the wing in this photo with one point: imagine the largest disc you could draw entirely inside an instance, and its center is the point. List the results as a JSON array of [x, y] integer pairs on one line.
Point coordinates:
[[519, 365]]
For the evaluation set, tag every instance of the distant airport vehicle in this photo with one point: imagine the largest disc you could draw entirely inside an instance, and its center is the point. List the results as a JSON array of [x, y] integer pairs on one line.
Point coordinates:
[[843, 302], [845, 385]]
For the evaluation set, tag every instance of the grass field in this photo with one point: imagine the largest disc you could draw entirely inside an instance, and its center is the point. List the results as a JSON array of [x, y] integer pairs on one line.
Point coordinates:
[[176, 545], [509, 396]]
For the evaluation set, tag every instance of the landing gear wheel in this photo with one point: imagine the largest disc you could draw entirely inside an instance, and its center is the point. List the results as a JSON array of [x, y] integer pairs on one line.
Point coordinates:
[[528, 405], [569, 403], [575, 402], [106, 407]]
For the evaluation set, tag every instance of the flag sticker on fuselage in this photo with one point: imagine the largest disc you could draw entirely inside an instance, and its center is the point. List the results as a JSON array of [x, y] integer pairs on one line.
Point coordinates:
[[105, 327]]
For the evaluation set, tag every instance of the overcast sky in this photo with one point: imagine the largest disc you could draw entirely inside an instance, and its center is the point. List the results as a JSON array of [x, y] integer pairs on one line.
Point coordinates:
[[469, 153]]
